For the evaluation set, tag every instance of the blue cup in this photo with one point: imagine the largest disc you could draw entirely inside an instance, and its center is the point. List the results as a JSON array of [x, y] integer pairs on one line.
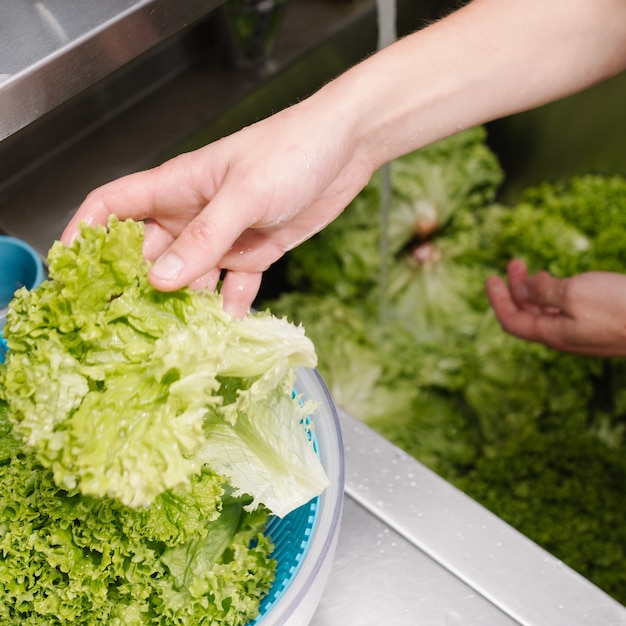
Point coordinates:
[[20, 266]]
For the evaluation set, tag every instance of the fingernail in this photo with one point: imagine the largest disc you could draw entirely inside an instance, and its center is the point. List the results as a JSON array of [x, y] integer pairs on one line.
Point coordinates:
[[168, 267]]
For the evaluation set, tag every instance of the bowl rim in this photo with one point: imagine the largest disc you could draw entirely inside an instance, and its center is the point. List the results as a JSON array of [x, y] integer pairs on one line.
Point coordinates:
[[324, 535]]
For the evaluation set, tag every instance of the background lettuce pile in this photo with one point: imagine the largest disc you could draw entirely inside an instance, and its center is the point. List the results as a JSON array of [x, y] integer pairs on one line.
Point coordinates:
[[145, 439], [415, 351]]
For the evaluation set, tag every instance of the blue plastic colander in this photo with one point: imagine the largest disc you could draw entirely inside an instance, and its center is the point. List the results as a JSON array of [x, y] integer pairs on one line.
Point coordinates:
[[20, 266], [291, 536]]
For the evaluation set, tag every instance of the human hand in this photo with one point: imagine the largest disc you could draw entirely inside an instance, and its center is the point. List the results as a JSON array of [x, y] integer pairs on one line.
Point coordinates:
[[583, 314], [238, 204]]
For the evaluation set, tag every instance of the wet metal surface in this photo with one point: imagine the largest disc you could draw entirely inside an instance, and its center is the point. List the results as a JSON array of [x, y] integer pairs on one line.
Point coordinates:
[[415, 550]]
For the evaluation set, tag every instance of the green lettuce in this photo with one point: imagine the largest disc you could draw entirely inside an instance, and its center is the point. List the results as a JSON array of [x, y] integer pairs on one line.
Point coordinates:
[[430, 190], [568, 226], [127, 392], [565, 491], [194, 556]]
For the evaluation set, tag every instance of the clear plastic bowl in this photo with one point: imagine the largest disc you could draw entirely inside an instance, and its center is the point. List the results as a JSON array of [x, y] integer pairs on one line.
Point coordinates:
[[306, 539]]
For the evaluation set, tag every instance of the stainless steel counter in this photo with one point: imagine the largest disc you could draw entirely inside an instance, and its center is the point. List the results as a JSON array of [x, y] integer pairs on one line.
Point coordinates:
[[415, 550]]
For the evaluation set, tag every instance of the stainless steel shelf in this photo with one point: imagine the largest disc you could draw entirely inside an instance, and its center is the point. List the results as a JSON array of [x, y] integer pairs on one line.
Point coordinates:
[[51, 50]]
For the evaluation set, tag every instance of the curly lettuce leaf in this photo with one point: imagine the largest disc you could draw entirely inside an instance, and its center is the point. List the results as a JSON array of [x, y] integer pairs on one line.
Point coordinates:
[[569, 226], [125, 391], [192, 556]]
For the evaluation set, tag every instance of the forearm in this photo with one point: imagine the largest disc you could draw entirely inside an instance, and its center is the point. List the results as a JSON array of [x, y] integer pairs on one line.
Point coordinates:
[[489, 59]]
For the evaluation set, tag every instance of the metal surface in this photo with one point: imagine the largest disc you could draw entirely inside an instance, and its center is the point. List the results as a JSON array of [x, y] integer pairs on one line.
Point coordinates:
[[51, 50], [380, 578], [415, 550]]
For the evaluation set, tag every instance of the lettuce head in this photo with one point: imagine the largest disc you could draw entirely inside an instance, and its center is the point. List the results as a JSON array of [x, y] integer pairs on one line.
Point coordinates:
[[124, 391]]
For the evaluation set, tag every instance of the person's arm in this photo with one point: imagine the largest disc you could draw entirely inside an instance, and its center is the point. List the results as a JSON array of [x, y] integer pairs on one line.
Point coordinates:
[[583, 314], [486, 60], [240, 203]]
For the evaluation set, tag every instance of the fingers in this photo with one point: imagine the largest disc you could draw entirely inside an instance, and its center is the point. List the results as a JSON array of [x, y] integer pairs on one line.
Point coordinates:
[[534, 308], [239, 290], [513, 319], [157, 240], [508, 301], [200, 247], [544, 291], [127, 197], [581, 314], [529, 323], [171, 194], [516, 271], [518, 276], [208, 280], [541, 293], [188, 227]]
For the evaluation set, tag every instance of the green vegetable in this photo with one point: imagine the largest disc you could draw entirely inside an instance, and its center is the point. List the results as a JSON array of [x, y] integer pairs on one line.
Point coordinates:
[[126, 391], [568, 227], [430, 188], [373, 372], [431, 368], [515, 388], [194, 556], [145, 440], [566, 492]]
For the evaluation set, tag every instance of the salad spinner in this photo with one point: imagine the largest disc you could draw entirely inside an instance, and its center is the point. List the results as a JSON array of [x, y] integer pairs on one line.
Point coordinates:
[[305, 540]]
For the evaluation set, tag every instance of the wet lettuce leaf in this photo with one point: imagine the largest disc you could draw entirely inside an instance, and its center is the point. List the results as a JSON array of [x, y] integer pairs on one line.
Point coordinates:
[[125, 391]]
